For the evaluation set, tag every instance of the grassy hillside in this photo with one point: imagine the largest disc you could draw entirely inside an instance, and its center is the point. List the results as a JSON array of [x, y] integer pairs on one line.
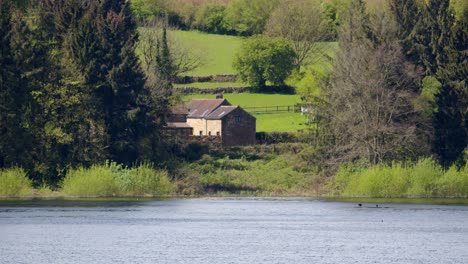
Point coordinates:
[[217, 51]]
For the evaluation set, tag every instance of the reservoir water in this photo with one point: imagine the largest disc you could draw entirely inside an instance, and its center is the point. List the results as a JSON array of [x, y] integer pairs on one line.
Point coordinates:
[[223, 230]]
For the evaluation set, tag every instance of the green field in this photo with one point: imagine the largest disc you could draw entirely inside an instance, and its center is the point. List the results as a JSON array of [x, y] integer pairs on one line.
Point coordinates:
[[217, 51], [266, 122], [211, 85]]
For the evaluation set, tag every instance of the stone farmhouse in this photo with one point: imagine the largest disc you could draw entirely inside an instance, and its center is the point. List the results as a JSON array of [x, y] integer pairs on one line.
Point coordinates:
[[215, 118]]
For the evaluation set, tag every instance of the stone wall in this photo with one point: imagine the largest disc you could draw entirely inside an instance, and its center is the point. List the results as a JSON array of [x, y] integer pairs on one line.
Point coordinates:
[[198, 125], [214, 127], [238, 128]]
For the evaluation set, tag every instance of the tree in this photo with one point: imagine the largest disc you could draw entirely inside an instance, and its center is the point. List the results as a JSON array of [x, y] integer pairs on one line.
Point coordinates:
[[407, 15], [298, 21], [210, 18], [154, 44], [451, 118], [11, 89], [369, 107], [249, 17], [263, 59]]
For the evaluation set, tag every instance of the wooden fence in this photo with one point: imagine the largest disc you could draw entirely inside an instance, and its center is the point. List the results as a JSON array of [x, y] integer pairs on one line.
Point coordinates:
[[273, 109]]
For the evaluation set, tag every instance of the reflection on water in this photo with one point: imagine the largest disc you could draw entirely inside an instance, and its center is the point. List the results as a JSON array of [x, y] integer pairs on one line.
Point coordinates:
[[246, 230]]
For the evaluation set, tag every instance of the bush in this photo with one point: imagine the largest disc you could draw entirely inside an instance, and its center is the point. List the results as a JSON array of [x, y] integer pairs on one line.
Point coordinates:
[[14, 182], [112, 179]]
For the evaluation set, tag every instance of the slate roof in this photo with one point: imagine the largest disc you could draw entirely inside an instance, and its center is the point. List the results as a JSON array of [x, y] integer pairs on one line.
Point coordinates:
[[179, 109], [221, 112], [201, 108]]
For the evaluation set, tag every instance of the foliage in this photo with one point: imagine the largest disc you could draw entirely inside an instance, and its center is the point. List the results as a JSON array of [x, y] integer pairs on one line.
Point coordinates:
[[434, 39], [299, 22], [262, 59], [113, 179], [14, 182], [210, 18], [423, 179], [249, 17], [76, 92]]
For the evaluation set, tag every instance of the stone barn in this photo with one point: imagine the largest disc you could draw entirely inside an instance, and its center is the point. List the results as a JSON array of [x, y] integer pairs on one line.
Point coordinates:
[[177, 123], [218, 118]]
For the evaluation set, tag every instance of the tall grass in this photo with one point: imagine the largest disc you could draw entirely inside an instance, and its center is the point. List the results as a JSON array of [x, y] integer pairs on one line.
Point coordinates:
[[14, 182], [112, 179], [425, 178]]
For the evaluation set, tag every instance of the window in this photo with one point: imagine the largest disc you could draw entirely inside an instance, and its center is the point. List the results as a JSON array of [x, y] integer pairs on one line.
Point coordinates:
[[238, 119], [201, 133]]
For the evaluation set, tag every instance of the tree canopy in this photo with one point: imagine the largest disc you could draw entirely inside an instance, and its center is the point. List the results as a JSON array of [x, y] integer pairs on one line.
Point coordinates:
[[263, 59]]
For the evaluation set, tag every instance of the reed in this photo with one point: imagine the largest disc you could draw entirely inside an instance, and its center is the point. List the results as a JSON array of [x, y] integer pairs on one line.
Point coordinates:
[[112, 179], [425, 178], [14, 182]]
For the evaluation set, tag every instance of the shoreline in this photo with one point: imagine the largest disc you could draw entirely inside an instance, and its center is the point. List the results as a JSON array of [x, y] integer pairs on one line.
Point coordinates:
[[463, 201]]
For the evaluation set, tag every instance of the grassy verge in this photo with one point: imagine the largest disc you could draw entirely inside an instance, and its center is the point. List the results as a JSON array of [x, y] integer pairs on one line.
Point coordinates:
[[424, 179]]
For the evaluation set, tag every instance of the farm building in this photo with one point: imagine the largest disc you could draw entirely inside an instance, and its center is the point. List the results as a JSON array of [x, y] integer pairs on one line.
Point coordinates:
[[177, 122], [218, 118]]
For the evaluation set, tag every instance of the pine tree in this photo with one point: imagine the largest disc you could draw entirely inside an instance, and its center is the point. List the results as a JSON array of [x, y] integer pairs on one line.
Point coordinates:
[[9, 88], [407, 15], [126, 80], [451, 119]]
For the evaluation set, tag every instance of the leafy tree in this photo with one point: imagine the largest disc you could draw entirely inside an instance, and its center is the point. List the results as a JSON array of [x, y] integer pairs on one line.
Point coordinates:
[[300, 22], [249, 17], [263, 59], [210, 18]]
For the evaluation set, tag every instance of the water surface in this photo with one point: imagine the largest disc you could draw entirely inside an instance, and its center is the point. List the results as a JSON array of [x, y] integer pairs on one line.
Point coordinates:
[[231, 231]]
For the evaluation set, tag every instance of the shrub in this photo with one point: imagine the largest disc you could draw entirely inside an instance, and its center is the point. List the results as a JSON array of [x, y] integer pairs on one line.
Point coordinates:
[[14, 182]]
